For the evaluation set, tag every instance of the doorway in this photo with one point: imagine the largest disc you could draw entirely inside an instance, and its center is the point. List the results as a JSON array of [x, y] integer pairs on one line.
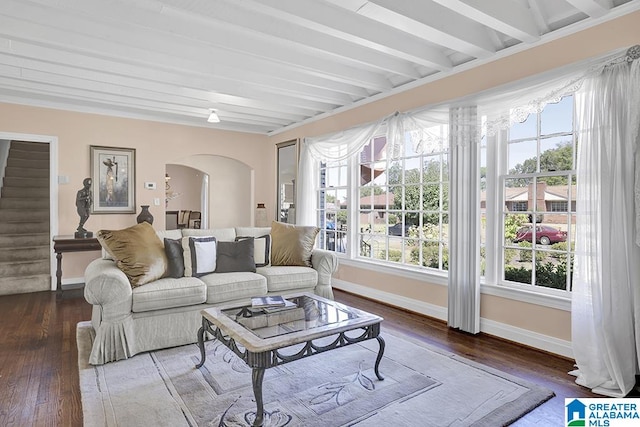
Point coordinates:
[[186, 197], [31, 194]]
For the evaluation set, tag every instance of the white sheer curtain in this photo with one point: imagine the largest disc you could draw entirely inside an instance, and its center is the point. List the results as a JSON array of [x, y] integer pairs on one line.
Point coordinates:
[[606, 283], [464, 221], [333, 147], [343, 145]]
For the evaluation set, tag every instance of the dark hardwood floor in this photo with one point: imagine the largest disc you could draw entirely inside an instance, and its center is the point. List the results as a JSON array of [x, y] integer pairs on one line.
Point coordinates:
[[39, 374]]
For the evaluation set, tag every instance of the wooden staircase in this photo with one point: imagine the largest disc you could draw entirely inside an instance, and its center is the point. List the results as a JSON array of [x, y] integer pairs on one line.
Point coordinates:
[[24, 220]]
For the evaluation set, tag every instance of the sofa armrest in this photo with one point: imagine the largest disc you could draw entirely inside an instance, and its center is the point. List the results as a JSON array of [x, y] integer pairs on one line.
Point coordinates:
[[107, 286], [325, 263], [109, 290]]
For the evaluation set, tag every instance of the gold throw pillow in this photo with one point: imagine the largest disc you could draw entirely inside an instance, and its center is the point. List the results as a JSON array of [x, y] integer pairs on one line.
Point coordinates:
[[138, 252], [292, 244]]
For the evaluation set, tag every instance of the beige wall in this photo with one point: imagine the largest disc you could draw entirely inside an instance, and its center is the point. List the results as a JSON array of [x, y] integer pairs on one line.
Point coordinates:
[[618, 33], [156, 144]]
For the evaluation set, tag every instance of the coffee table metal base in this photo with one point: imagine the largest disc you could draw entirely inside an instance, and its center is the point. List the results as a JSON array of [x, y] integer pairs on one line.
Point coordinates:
[[268, 359]]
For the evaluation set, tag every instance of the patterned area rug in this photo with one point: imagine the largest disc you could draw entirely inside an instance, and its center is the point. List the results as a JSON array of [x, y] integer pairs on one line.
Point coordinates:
[[423, 386]]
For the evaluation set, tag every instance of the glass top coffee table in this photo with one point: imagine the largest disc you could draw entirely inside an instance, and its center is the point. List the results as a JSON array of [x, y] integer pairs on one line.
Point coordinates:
[[257, 335]]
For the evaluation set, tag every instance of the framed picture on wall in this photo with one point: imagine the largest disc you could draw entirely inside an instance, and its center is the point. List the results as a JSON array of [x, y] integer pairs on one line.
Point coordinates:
[[113, 171]]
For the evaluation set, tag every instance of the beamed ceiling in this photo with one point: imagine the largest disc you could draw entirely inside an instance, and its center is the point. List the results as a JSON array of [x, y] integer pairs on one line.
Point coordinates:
[[263, 65]]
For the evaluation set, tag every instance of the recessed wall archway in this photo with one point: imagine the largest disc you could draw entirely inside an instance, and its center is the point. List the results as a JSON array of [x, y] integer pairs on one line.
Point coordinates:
[[231, 190]]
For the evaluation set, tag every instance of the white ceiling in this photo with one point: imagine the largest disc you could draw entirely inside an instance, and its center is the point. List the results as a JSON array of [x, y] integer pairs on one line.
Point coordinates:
[[263, 65]]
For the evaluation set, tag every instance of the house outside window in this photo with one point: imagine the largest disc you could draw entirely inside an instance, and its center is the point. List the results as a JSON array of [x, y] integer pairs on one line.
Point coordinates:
[[519, 206], [558, 206]]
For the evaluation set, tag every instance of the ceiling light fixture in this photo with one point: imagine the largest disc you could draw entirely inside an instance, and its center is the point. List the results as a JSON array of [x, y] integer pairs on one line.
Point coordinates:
[[213, 117]]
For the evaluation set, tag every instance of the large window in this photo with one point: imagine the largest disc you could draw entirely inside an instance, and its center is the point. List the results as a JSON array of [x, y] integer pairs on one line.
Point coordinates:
[[401, 213], [391, 206], [537, 246], [332, 206]]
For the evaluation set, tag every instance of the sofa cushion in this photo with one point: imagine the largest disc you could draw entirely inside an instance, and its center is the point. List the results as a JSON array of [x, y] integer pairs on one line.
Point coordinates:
[[168, 293], [292, 244], [284, 278], [138, 252], [223, 287], [175, 258], [235, 256]]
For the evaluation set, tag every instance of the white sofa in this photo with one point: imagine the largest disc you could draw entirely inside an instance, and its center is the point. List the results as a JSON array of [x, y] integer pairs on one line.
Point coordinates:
[[166, 312]]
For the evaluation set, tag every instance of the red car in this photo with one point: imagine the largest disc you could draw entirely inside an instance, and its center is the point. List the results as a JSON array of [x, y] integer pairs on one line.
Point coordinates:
[[545, 235]]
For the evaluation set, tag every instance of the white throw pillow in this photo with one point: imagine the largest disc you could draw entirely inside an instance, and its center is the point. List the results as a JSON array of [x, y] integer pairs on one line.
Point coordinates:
[[199, 255], [262, 249]]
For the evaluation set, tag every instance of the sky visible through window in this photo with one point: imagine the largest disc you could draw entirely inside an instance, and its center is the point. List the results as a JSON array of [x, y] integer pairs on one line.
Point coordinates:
[[556, 118]]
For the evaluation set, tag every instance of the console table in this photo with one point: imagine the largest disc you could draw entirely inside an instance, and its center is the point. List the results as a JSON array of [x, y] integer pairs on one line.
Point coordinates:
[[62, 244]]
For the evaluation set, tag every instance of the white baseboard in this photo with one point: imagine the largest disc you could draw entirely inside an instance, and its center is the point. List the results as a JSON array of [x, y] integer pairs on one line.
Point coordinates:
[[502, 330]]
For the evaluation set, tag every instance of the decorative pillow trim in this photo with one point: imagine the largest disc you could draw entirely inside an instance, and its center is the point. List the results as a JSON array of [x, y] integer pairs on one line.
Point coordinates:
[[262, 249], [203, 255]]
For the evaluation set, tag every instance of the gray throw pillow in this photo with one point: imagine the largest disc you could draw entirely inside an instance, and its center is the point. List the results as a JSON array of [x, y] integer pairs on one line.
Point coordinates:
[[175, 261], [235, 256]]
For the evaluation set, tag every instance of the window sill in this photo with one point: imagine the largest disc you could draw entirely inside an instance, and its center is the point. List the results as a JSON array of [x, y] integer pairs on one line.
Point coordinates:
[[522, 295], [407, 272]]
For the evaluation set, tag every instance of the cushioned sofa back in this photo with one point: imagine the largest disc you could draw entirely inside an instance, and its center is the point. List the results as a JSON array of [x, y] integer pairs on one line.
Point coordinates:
[[221, 234], [252, 231]]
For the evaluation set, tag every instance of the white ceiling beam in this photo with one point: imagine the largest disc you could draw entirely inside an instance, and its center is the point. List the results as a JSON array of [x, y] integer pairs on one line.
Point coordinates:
[[434, 23], [593, 8], [510, 18], [241, 109], [356, 29]]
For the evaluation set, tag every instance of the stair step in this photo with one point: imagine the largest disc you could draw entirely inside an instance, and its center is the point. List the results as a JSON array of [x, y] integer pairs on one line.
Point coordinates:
[[24, 215], [25, 192], [22, 181], [17, 254], [26, 172], [25, 284], [28, 154], [27, 239], [24, 268], [19, 203], [30, 146], [15, 162], [24, 227]]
